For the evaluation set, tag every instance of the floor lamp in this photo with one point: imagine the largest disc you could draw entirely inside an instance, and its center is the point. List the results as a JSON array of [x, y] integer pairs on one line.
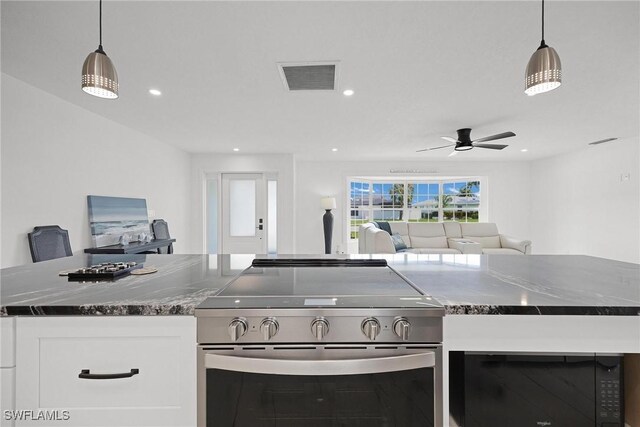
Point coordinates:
[[327, 204]]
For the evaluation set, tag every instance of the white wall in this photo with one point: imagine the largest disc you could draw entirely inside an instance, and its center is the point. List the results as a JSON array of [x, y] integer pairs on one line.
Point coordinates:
[[282, 165], [580, 204], [55, 153], [507, 192]]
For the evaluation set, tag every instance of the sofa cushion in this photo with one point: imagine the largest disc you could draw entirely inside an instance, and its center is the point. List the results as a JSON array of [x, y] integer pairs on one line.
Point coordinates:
[[485, 233], [501, 251], [427, 235], [401, 229], [478, 229], [452, 229]]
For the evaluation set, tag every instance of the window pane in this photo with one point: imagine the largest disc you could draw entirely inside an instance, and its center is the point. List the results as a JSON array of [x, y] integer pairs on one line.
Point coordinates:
[[387, 215], [377, 194], [358, 217], [449, 188]]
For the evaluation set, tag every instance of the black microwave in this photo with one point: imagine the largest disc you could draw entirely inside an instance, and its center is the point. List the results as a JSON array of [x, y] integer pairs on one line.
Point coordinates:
[[495, 390]]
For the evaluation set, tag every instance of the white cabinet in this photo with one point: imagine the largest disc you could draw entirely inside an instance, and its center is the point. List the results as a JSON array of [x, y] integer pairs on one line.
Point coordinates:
[[7, 368], [153, 355]]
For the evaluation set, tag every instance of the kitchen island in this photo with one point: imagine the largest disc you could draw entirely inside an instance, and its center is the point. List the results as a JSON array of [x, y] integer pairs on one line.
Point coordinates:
[[493, 303]]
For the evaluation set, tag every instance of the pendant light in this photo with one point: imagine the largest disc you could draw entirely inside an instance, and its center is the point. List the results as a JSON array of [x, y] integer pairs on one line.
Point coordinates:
[[544, 72], [99, 76]]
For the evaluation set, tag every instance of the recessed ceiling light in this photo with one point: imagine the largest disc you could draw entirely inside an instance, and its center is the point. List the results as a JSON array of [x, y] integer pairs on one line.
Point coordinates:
[[236, 149], [348, 92], [524, 150], [334, 149], [155, 92]]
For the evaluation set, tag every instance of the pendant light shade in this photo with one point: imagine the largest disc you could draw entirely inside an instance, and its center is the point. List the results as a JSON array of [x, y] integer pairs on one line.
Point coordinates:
[[99, 76], [544, 71]]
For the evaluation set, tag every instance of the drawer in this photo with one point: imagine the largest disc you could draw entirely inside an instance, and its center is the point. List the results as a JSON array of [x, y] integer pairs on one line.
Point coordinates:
[[157, 383], [51, 352]]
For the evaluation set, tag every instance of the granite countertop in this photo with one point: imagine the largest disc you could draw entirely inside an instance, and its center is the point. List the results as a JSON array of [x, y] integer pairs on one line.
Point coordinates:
[[464, 284], [180, 284]]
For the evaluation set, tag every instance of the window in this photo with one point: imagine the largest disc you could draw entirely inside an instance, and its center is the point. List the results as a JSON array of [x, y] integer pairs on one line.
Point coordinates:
[[413, 201]]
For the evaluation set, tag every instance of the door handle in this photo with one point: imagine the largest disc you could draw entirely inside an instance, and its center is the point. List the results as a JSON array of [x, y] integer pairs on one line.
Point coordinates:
[[378, 365]]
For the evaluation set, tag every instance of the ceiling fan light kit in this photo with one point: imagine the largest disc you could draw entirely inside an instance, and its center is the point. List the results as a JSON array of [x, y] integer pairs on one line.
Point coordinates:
[[99, 76], [544, 70]]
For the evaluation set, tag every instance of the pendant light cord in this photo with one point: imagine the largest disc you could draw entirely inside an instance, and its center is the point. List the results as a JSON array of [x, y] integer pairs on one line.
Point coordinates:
[[542, 19], [101, 22], [100, 50], [542, 43]]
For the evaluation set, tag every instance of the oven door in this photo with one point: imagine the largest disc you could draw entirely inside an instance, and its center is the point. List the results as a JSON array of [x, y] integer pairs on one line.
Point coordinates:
[[319, 386]]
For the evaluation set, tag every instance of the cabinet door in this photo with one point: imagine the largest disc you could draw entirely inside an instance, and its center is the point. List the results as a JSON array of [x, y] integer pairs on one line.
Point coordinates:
[[148, 361]]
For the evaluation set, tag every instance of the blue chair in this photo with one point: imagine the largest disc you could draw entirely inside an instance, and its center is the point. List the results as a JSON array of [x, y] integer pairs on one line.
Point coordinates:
[[160, 230], [49, 242]]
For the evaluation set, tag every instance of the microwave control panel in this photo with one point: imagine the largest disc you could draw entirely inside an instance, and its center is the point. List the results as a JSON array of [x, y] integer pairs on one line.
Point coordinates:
[[609, 394]]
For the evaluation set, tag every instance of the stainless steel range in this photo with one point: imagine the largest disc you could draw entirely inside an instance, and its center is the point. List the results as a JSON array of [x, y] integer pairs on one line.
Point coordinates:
[[300, 342]]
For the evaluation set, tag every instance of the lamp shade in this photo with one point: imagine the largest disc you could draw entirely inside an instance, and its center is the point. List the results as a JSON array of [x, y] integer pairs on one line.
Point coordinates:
[[328, 203], [99, 76], [544, 71]]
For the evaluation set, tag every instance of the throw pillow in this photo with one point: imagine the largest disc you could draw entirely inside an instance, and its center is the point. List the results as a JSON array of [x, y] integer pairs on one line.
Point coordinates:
[[383, 225], [398, 242]]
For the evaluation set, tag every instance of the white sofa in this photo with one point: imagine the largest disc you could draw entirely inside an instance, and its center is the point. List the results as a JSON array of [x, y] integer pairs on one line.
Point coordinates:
[[441, 238]]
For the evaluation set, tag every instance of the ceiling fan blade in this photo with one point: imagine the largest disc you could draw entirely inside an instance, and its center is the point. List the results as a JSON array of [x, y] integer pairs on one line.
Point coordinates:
[[453, 153], [448, 138], [434, 148], [491, 146], [494, 137]]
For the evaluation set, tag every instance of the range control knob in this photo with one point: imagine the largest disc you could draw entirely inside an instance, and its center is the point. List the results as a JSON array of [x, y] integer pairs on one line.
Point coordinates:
[[237, 328], [269, 328], [371, 328], [402, 327], [319, 328]]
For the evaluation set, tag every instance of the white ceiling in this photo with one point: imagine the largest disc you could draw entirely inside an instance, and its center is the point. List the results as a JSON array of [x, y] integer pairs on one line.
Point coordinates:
[[419, 69]]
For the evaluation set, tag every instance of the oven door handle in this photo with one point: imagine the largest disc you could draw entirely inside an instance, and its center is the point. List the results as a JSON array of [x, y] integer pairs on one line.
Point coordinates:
[[377, 365]]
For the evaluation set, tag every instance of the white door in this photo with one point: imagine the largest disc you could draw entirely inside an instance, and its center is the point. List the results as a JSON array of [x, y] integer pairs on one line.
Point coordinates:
[[244, 222]]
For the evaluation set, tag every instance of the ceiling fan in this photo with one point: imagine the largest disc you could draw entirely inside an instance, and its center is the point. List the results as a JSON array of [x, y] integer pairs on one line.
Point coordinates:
[[464, 142]]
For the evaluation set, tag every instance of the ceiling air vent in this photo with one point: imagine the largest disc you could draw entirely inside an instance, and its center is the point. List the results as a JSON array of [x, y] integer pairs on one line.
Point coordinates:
[[602, 141], [309, 75]]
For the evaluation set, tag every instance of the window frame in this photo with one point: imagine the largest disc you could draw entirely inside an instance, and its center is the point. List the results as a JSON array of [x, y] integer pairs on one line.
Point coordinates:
[[369, 208]]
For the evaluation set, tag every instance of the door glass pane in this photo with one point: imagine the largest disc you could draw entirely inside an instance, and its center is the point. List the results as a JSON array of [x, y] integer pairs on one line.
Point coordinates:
[[242, 208], [272, 217]]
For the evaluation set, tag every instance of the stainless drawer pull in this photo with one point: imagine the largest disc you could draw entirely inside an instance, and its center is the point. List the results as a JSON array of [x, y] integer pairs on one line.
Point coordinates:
[[87, 375]]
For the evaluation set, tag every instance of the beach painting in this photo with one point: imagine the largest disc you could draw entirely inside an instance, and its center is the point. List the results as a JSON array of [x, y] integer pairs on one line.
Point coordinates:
[[112, 217]]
